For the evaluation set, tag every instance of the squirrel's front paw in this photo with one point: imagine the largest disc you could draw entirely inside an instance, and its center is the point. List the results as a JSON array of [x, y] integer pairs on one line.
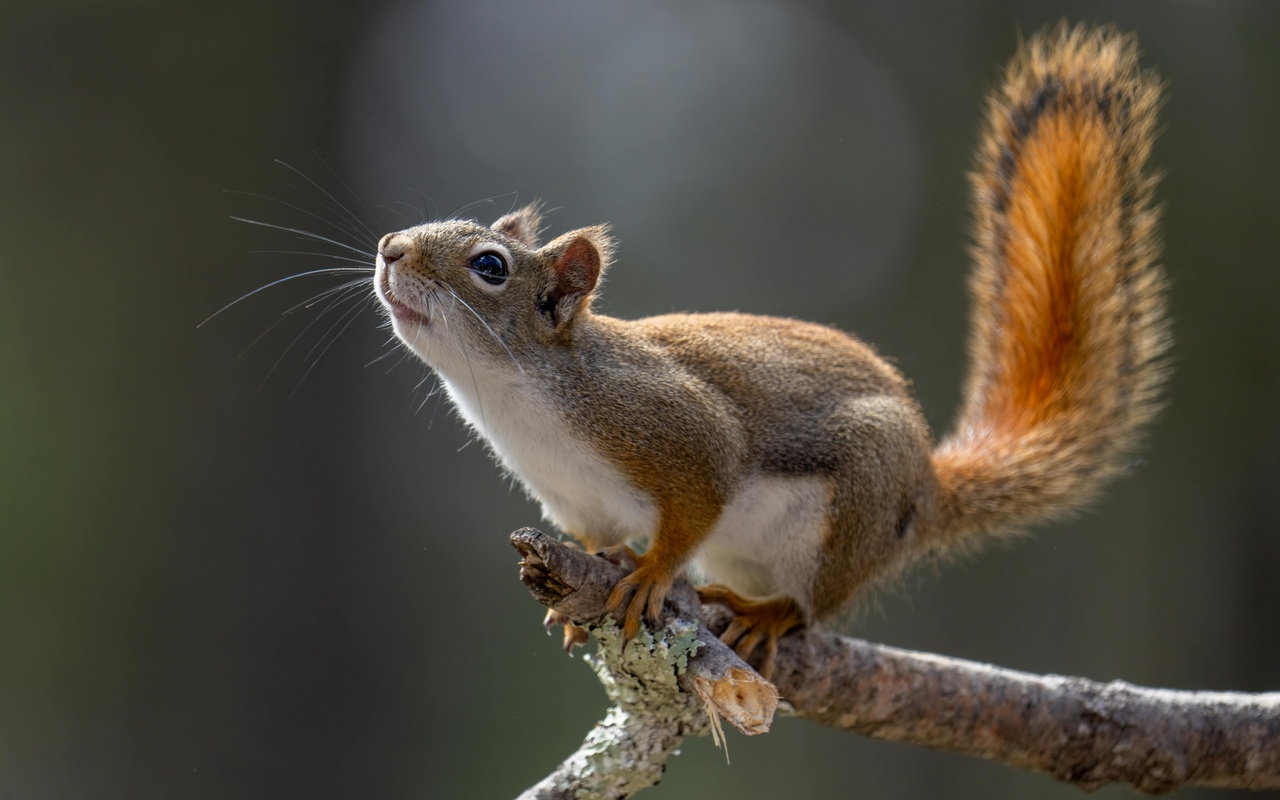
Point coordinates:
[[641, 593]]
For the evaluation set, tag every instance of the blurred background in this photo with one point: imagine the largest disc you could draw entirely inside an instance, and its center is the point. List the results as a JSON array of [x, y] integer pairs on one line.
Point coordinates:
[[266, 577]]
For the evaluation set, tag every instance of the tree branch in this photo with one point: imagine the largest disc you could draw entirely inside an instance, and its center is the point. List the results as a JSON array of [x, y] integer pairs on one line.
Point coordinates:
[[1074, 730], [662, 684]]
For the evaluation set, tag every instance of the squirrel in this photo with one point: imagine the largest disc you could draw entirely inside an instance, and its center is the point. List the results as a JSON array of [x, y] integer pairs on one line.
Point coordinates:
[[786, 462]]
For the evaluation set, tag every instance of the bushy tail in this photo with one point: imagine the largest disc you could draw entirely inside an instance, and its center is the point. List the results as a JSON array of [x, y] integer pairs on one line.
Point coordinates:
[[1069, 333]]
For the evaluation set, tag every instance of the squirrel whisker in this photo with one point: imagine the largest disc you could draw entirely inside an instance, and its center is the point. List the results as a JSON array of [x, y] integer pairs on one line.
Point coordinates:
[[351, 216], [307, 234], [495, 336], [357, 237]]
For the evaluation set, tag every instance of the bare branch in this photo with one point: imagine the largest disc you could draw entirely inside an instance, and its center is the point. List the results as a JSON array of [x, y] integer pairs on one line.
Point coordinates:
[[1075, 730]]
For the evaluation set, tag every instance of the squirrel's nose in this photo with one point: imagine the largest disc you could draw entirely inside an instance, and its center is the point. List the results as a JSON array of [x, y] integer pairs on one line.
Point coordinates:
[[392, 248]]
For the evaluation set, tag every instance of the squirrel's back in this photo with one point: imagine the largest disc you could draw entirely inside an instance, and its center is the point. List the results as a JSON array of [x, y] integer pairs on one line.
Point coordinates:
[[1069, 332]]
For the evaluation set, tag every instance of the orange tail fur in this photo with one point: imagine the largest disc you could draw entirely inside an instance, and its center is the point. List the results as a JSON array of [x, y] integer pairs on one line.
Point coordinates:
[[1069, 336]]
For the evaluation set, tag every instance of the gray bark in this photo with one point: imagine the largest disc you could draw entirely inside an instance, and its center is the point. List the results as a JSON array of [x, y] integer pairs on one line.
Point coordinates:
[[1078, 731]]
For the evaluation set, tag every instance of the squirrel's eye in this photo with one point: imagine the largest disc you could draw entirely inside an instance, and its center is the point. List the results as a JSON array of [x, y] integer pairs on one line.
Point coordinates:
[[491, 267]]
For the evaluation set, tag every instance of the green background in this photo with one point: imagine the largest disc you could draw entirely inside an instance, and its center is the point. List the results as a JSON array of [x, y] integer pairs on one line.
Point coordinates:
[[219, 580]]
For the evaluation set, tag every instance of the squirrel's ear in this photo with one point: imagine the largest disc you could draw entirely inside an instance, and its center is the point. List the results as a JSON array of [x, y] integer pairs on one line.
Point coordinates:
[[522, 224], [579, 258]]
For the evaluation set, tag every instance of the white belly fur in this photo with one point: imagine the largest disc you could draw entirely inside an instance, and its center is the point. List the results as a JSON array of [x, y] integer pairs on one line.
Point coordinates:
[[780, 522], [580, 492]]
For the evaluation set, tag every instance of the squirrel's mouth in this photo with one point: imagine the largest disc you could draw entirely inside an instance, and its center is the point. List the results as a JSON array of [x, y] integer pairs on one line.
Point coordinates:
[[400, 312]]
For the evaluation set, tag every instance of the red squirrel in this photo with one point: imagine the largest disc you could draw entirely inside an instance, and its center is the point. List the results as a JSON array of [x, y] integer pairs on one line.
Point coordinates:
[[786, 462]]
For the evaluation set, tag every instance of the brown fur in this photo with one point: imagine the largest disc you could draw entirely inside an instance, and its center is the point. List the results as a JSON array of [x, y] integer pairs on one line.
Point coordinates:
[[1068, 336]]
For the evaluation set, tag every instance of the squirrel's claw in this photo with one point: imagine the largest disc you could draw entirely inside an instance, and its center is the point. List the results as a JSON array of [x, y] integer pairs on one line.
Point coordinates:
[[622, 555], [641, 593], [755, 623], [574, 635]]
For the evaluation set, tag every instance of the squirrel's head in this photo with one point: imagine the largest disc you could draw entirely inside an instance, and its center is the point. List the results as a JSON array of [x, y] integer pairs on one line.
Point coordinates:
[[460, 293]]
